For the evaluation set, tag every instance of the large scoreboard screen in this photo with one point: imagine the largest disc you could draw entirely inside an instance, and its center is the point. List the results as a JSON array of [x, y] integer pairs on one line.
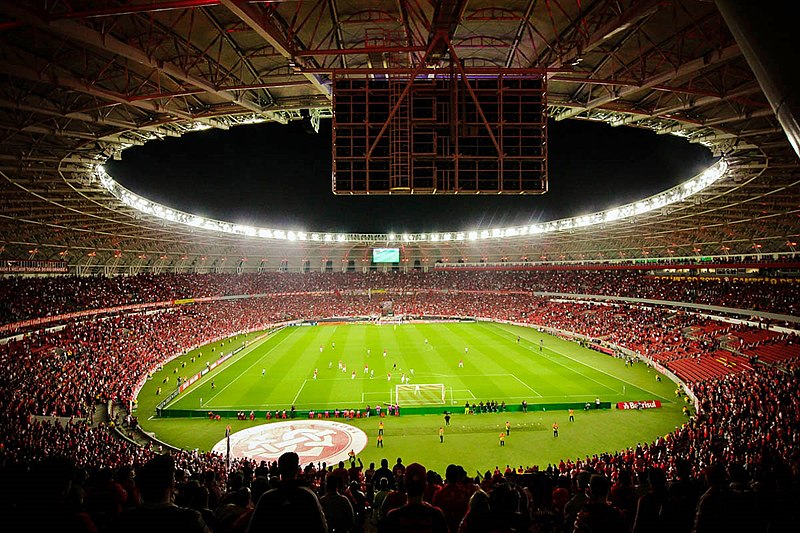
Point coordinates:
[[440, 135], [386, 255]]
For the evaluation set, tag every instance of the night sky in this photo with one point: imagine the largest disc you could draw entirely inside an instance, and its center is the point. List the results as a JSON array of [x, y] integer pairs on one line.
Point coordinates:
[[280, 177]]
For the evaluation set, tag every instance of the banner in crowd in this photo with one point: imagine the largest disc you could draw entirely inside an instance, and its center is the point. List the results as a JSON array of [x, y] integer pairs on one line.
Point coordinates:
[[734, 279], [33, 267], [640, 404], [80, 314], [600, 348]]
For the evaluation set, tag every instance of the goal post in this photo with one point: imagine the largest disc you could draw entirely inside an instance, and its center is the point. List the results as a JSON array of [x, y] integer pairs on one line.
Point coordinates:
[[420, 394]]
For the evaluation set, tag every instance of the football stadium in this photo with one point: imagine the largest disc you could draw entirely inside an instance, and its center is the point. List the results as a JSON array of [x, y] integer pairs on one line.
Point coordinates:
[[399, 265]]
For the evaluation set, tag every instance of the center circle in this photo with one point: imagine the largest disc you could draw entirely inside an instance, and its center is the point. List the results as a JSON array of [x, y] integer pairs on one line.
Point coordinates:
[[312, 440]]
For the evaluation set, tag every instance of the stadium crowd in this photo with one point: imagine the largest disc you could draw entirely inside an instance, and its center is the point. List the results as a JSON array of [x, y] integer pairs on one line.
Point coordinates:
[[25, 298], [735, 466], [65, 372]]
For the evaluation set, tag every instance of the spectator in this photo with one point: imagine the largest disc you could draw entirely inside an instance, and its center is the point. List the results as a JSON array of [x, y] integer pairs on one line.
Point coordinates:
[[651, 506], [578, 501], [156, 482], [598, 516], [383, 472], [478, 516], [377, 502], [290, 506], [337, 508], [44, 503], [453, 499], [416, 515]]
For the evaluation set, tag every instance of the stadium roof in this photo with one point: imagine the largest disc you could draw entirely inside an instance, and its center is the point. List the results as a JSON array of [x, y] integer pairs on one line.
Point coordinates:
[[83, 80]]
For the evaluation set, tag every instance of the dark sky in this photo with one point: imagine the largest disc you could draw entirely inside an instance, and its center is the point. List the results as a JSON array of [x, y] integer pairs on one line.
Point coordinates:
[[280, 176]]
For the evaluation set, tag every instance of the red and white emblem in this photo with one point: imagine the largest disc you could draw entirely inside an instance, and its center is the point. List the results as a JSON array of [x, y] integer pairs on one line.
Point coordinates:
[[312, 440]]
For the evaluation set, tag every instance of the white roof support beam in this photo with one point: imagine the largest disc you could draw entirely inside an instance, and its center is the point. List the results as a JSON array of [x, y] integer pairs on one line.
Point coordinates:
[[686, 69], [267, 31], [87, 36]]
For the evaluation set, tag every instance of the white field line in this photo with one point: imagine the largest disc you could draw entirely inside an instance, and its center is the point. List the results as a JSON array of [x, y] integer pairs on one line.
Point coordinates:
[[592, 368], [613, 376], [572, 369], [526, 385], [248, 368], [296, 396], [213, 374]]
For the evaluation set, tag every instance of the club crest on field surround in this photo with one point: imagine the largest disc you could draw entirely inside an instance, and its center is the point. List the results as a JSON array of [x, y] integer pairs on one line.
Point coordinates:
[[312, 440]]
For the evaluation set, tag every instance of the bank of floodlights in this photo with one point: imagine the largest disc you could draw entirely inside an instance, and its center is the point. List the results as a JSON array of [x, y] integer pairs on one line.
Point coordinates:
[[659, 201]]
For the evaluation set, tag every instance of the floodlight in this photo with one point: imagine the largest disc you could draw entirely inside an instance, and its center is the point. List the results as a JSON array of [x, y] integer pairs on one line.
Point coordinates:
[[677, 194]]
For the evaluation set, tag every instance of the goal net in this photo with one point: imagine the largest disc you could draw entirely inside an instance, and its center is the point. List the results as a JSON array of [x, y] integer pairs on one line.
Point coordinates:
[[420, 394]]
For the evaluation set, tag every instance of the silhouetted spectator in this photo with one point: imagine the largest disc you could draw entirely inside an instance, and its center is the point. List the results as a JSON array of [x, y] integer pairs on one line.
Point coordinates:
[[453, 498], [291, 506], [598, 515], [337, 508], [156, 482], [43, 500], [650, 508], [478, 518], [415, 515]]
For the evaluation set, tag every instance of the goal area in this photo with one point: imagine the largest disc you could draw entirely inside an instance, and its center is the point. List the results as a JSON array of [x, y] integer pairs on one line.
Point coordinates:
[[420, 394]]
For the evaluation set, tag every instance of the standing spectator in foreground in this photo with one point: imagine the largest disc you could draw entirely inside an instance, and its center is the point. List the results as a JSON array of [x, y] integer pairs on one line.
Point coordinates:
[[453, 498], [383, 472], [416, 515], [717, 506], [377, 503], [290, 506], [598, 515], [337, 508], [578, 502], [399, 469], [156, 481], [650, 507], [44, 505]]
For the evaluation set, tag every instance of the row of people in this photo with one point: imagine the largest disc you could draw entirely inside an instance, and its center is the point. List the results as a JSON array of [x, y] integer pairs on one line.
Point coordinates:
[[733, 468], [26, 298]]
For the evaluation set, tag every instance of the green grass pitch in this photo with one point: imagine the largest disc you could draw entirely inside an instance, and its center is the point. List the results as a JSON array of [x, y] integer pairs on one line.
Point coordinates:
[[278, 371]]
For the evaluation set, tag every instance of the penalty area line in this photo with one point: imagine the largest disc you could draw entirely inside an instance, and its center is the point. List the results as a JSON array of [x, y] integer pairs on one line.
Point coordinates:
[[526, 385], [296, 396]]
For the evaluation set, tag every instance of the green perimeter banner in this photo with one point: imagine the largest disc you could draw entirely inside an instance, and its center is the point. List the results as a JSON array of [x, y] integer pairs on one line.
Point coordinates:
[[414, 410]]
